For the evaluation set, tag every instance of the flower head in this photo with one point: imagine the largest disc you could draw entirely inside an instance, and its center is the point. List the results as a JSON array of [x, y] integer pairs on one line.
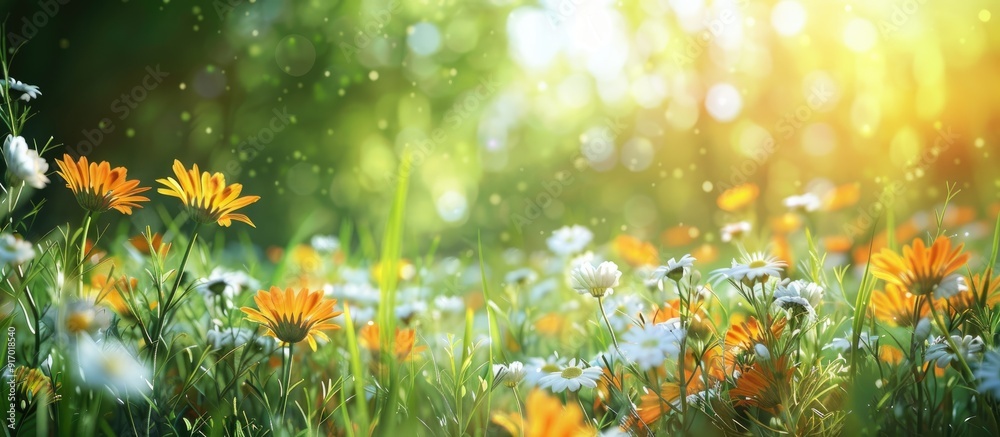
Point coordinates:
[[810, 291], [596, 281], [755, 268], [509, 375], [738, 197], [325, 243], [674, 269], [546, 416], [649, 346], [30, 91], [14, 250], [292, 316], [568, 240], [573, 376], [24, 163], [225, 284], [404, 343], [920, 269], [807, 202], [206, 196], [33, 386], [941, 352], [734, 231], [98, 187], [109, 364]]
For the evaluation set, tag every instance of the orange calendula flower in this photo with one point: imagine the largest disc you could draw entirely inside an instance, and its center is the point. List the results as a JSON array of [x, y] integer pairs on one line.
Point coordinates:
[[896, 306], [680, 235], [546, 417], [143, 244], [842, 197], [98, 188], [765, 385], [406, 340], [33, 386], [292, 316], [206, 196], [920, 269], [738, 197], [635, 251]]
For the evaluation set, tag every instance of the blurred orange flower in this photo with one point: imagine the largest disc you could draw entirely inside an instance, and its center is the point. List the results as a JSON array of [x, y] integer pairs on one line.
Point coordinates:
[[842, 197], [680, 235], [404, 344], [546, 416], [765, 385], [919, 270], [635, 251], [738, 197]]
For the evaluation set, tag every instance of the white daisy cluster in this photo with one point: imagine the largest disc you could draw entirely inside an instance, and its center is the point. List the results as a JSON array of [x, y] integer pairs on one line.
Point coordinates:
[[325, 244]]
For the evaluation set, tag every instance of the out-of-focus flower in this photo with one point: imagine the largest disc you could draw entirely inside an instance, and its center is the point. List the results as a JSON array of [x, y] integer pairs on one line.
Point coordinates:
[[361, 293], [292, 316], [98, 188], [988, 373], [406, 271], [85, 316], [546, 416], [449, 304], [807, 202], [573, 376], [649, 346], [734, 231], [842, 197], [941, 353], [325, 243], [233, 337], [206, 196], [109, 364], [738, 197], [568, 240], [596, 281], [143, 244], [674, 269], [680, 235], [404, 344], [635, 251], [14, 250], [510, 375], [29, 91], [222, 283], [24, 163], [111, 292], [754, 268], [920, 269], [522, 276]]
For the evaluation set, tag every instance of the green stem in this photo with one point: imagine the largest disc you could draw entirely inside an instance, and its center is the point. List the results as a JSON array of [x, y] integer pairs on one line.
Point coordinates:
[[83, 251], [517, 402], [600, 304], [286, 380]]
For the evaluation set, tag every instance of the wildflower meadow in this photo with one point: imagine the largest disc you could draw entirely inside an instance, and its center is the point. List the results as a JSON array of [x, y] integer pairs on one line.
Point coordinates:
[[500, 218]]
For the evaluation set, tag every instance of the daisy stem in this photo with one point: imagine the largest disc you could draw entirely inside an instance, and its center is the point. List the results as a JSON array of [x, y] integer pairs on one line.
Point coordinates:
[[286, 377], [600, 304], [83, 251], [517, 402], [683, 312]]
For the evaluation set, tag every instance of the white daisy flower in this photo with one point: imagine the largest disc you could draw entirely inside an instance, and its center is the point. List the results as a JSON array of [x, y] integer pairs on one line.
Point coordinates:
[[940, 351], [226, 284], [649, 346], [573, 376], [538, 368], [807, 202], [622, 309], [843, 345], [234, 337], [755, 268], [674, 269], [354, 275], [988, 373], [109, 364], [23, 162], [596, 281], [408, 310], [449, 304], [30, 91], [795, 305], [734, 231], [522, 276], [809, 291], [325, 243], [951, 285], [14, 250], [568, 240], [509, 375]]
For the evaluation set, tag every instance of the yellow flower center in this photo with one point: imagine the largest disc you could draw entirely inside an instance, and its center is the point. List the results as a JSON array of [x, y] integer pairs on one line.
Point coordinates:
[[79, 321], [572, 372], [758, 264]]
